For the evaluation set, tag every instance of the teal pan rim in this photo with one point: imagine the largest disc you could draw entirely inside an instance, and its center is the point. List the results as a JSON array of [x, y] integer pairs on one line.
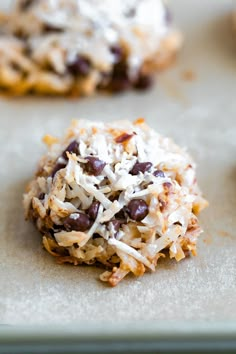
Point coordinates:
[[140, 337]]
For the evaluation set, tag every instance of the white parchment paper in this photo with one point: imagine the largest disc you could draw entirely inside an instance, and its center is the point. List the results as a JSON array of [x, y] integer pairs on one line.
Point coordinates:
[[200, 114]]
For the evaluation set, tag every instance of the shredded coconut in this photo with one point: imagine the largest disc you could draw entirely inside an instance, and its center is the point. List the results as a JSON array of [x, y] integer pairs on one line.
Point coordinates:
[[126, 218]]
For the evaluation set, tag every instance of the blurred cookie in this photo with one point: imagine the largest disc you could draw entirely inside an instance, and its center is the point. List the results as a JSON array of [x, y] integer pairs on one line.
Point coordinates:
[[71, 47]]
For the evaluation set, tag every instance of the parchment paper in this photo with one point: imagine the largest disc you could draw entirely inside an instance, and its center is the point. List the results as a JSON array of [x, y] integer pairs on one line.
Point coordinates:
[[200, 114]]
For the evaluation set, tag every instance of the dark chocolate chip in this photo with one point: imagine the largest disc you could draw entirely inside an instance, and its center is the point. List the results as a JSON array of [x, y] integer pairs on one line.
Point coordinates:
[[143, 82], [117, 52], [73, 147], [120, 79], [94, 166], [120, 70], [159, 173], [41, 196], [49, 28], [77, 222], [92, 211], [119, 84], [140, 167], [123, 137], [80, 66], [57, 167], [137, 209]]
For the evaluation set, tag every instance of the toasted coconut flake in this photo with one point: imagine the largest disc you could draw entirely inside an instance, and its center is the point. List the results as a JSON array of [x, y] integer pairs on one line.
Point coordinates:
[[49, 245], [49, 140], [38, 206], [111, 211], [176, 251], [67, 239], [61, 208], [114, 277], [130, 251]]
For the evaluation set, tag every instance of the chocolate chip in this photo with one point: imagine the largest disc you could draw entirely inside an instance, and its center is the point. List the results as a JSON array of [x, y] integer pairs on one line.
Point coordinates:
[[117, 52], [159, 173], [120, 70], [94, 166], [73, 147], [26, 4], [41, 196], [143, 82], [120, 79], [140, 167], [49, 28], [57, 167], [80, 66], [77, 222], [123, 137], [137, 209], [119, 84], [92, 211]]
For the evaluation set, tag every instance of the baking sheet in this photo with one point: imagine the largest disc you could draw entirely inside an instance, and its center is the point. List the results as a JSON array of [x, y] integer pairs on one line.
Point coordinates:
[[200, 114]]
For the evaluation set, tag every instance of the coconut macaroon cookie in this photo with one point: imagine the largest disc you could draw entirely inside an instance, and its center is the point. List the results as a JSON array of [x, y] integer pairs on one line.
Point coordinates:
[[78, 46], [116, 194]]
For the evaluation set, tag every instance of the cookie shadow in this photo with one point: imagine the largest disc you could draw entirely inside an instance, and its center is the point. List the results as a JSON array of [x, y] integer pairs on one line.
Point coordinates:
[[22, 239]]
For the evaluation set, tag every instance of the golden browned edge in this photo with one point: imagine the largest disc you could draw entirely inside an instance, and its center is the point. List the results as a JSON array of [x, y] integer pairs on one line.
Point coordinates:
[[163, 58]]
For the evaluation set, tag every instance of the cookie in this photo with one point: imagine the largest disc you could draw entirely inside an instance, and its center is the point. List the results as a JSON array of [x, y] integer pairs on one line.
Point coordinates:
[[78, 47], [115, 194]]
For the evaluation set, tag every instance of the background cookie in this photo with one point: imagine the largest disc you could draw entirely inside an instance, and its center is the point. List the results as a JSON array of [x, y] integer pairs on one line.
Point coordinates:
[[70, 47]]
